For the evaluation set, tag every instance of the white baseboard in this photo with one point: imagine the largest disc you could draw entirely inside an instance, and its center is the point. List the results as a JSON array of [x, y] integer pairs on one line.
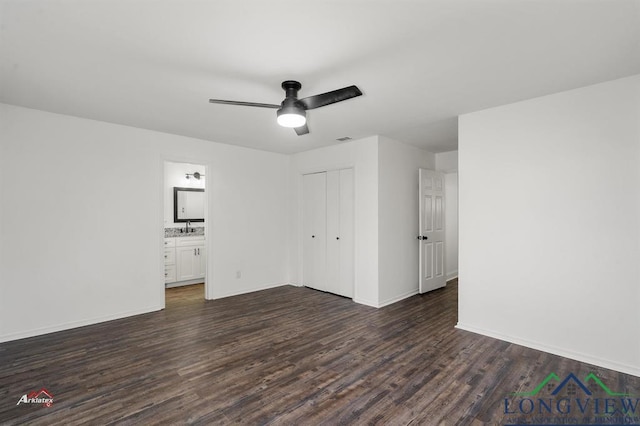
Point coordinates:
[[366, 302], [184, 283], [250, 290], [451, 275], [75, 324], [605, 363], [398, 298], [386, 302]]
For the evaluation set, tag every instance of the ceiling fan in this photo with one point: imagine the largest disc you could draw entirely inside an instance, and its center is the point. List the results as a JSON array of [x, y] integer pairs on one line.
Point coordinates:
[[292, 111]]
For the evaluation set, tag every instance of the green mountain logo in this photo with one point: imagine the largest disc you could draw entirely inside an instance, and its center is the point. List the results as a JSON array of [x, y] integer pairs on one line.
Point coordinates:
[[571, 378], [593, 377]]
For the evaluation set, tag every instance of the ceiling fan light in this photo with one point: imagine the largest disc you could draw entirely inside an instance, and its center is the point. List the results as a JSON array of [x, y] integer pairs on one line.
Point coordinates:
[[291, 117]]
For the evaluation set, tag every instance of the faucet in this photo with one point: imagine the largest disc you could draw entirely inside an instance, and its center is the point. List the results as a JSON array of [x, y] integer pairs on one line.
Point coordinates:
[[187, 226]]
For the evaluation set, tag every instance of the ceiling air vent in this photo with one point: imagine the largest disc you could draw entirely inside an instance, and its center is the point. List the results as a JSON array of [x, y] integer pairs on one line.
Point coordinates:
[[346, 138]]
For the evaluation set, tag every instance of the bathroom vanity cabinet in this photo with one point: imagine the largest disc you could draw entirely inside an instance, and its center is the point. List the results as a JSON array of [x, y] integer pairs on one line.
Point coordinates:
[[185, 260], [169, 260]]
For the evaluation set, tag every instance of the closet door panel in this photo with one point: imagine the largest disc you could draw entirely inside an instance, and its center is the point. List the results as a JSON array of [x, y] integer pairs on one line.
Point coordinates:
[[334, 240], [314, 226]]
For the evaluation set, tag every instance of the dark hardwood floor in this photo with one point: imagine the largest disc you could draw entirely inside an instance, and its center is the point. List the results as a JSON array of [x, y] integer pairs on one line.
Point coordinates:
[[289, 355]]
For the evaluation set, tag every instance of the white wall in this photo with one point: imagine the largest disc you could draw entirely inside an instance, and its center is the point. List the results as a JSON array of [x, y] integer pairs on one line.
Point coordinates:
[[398, 218], [81, 219], [362, 155], [249, 218], [175, 176], [451, 224], [447, 162], [550, 223]]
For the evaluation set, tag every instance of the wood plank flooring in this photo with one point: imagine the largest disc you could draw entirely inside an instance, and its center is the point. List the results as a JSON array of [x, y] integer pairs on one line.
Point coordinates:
[[285, 356]]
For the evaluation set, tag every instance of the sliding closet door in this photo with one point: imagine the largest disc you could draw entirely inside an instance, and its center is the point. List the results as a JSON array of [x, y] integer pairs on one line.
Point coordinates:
[[340, 235], [314, 230]]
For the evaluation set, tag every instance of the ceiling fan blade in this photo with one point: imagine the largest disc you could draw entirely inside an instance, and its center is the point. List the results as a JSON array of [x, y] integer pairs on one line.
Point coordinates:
[[251, 104], [302, 130], [329, 98]]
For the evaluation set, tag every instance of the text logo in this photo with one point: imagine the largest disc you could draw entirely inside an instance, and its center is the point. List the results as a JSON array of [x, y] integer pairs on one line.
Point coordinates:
[[571, 401], [42, 396]]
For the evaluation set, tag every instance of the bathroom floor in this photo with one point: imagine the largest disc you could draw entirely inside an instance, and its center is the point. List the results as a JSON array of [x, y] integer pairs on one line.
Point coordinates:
[[179, 296]]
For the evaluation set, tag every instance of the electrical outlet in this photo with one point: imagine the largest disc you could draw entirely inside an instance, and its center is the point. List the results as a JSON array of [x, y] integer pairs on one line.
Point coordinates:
[[238, 274]]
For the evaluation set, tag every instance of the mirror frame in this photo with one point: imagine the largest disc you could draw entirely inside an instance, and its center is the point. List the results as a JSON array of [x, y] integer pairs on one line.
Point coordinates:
[[175, 204]]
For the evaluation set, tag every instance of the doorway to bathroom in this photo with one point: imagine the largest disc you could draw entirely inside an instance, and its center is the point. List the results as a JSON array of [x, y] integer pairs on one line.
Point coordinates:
[[184, 242]]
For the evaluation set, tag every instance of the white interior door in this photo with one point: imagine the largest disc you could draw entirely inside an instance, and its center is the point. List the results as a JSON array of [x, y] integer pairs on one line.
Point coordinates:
[[432, 236], [314, 230]]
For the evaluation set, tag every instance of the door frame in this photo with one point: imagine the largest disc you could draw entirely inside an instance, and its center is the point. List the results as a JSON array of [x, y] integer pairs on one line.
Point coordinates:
[[208, 282]]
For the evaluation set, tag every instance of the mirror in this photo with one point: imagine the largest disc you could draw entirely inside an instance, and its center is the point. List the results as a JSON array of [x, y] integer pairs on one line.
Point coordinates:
[[188, 204]]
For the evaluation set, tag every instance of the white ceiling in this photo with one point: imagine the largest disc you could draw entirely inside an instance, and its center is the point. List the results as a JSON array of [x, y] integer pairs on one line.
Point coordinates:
[[154, 64]]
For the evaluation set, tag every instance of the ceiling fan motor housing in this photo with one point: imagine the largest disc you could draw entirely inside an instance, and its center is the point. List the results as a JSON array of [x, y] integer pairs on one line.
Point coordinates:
[[291, 88], [291, 107]]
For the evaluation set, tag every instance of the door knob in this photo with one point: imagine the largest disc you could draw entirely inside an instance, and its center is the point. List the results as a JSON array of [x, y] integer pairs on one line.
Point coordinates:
[[313, 236], [420, 237], [337, 238]]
